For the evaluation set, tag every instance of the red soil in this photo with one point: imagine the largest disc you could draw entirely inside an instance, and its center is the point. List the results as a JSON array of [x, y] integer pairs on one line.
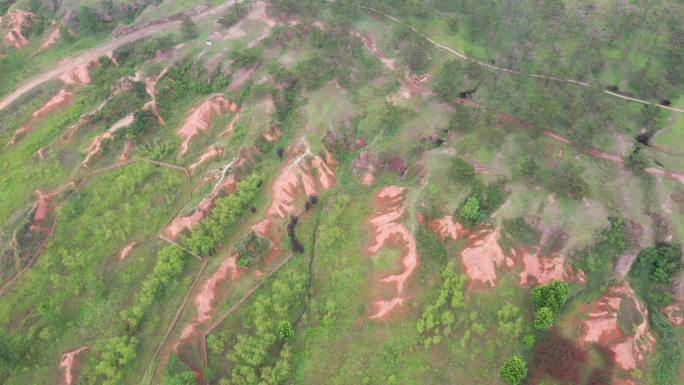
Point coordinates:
[[111, 57], [41, 153], [52, 38], [96, 145], [602, 328], [181, 224], [370, 44], [367, 179], [387, 231], [543, 269], [198, 119], [204, 301], [62, 99], [68, 362], [18, 21], [262, 228], [212, 152], [126, 251], [231, 125], [43, 203], [272, 134], [77, 75], [297, 180], [126, 153], [151, 89], [675, 313], [446, 228], [482, 256]]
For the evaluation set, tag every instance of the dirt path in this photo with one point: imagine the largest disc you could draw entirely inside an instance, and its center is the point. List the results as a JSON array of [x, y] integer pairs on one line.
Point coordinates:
[[512, 71], [96, 52]]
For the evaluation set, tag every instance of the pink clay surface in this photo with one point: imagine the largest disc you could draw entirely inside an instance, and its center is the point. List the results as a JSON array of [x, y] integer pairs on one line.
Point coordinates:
[[126, 152], [272, 134], [63, 98], [675, 314], [446, 228], [199, 119], [204, 301], [231, 125], [126, 251], [212, 152], [543, 269], [181, 224], [68, 362], [18, 21], [77, 75], [482, 255], [96, 145], [367, 179], [296, 180], [602, 328], [262, 228], [52, 38], [387, 231], [151, 89]]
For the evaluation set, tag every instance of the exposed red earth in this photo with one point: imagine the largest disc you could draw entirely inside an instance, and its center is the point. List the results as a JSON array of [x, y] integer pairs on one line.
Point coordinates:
[[126, 152], [543, 269], [675, 313], [231, 125], [63, 98], [204, 301], [301, 177], [68, 362], [52, 38], [483, 255], [272, 134], [367, 179], [43, 206], [198, 119], [18, 20], [628, 346], [96, 145], [211, 153], [77, 75], [151, 89], [387, 231], [446, 228], [126, 251]]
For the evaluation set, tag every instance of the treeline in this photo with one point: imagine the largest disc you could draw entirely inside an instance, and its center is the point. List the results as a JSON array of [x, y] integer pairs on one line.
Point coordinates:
[[117, 352], [186, 80], [261, 353], [226, 212]]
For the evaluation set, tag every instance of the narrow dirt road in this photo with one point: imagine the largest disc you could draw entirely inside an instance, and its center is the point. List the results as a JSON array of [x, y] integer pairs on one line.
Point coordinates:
[[96, 52]]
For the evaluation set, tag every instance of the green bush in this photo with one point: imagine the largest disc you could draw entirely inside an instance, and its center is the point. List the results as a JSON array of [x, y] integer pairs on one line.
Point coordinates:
[[543, 318], [513, 371], [461, 171], [552, 296]]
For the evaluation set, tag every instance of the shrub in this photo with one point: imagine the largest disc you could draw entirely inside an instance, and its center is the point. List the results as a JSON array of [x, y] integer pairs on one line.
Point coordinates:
[[513, 371], [552, 296], [543, 318], [461, 171], [188, 28], [284, 330], [529, 341], [470, 212]]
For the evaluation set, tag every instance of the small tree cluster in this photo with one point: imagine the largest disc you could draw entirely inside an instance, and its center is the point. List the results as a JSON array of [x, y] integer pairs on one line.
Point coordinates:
[[513, 371], [548, 301]]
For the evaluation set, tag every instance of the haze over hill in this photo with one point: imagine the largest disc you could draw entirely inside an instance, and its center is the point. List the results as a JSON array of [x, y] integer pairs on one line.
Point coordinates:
[[341, 192]]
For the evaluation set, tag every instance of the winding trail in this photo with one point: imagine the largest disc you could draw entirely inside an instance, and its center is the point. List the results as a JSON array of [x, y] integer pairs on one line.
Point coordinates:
[[512, 71], [97, 52]]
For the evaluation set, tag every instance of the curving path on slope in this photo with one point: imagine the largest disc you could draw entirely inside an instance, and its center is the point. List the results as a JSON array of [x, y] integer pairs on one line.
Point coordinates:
[[96, 52]]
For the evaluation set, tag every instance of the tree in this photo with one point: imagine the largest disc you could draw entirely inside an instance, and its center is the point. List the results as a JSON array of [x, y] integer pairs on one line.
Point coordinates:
[[448, 80], [552, 296], [636, 160], [543, 318], [513, 371], [88, 20], [470, 212], [189, 28], [461, 171], [284, 330]]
